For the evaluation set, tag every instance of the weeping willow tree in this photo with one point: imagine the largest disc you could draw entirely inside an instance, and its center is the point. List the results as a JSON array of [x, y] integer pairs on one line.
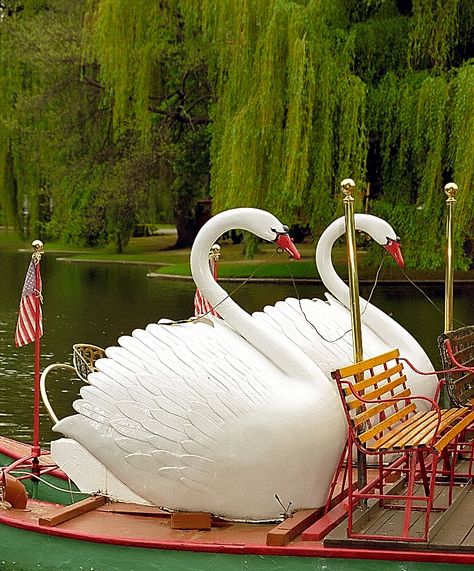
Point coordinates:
[[50, 122], [417, 125], [154, 78], [288, 122], [267, 103]]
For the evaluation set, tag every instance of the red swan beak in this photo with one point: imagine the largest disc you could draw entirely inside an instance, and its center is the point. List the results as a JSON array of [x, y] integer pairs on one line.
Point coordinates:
[[393, 248], [284, 242]]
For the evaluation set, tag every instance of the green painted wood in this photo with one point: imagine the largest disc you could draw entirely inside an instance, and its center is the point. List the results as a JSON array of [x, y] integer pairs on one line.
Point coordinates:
[[24, 551]]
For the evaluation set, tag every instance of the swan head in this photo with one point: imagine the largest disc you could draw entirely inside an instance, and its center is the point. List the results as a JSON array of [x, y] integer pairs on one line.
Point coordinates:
[[382, 233], [259, 222], [284, 242]]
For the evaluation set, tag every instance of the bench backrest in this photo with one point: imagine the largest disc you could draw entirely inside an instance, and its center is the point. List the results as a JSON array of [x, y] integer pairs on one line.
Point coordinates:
[[459, 384], [381, 380]]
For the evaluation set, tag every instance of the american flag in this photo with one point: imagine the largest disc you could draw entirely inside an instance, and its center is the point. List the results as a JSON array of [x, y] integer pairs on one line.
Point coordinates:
[[201, 305], [26, 326]]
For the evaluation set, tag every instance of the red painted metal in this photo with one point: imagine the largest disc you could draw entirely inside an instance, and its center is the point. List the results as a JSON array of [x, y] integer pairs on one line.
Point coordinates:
[[36, 409]]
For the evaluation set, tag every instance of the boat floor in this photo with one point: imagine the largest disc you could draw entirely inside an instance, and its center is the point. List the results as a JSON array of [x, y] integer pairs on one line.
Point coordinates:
[[452, 537], [452, 530]]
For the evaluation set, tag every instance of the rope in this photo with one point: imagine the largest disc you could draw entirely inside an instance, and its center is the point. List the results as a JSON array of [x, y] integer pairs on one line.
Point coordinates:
[[426, 295], [367, 302], [46, 483], [59, 489], [229, 295]]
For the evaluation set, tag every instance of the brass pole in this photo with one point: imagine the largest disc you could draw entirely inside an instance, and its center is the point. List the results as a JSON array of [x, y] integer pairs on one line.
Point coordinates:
[[348, 186], [450, 189]]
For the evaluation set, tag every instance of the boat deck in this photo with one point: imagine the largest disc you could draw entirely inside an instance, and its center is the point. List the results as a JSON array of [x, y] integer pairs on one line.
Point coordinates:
[[127, 524], [452, 530], [452, 533]]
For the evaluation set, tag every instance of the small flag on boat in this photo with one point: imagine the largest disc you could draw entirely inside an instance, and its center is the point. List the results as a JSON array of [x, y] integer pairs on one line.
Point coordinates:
[[26, 325], [201, 305]]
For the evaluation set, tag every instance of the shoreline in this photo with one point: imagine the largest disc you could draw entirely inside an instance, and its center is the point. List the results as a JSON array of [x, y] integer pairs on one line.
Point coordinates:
[[315, 281]]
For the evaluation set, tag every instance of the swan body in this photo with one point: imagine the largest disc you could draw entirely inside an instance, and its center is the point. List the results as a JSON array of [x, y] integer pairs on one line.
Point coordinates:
[[302, 320], [216, 415]]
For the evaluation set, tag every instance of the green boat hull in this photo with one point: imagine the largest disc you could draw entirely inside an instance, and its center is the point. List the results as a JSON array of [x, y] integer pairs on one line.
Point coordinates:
[[26, 550]]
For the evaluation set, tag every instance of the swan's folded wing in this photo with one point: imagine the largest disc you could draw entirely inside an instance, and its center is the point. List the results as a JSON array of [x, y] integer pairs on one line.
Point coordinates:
[[165, 399], [322, 329]]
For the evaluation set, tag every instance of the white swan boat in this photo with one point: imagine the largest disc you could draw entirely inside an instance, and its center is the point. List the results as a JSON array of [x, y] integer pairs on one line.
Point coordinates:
[[218, 415], [322, 328]]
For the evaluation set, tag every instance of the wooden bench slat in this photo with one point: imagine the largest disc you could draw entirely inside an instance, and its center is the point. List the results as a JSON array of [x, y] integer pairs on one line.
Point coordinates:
[[394, 435], [375, 379], [463, 355], [454, 431], [389, 421], [425, 432], [447, 418], [368, 413], [386, 390], [379, 392], [358, 368]]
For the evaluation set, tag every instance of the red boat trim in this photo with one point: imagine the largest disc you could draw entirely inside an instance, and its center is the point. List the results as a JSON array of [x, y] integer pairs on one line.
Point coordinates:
[[243, 548], [15, 455]]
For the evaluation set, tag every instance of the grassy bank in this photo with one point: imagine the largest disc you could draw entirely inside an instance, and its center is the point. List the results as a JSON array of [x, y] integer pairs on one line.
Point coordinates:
[[157, 253]]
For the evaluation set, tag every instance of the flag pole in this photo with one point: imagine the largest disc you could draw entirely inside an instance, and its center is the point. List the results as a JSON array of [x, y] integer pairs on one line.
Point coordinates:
[[214, 255], [36, 256]]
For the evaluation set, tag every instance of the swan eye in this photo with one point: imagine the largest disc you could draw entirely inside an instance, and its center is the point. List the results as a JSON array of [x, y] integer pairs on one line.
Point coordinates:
[[285, 230]]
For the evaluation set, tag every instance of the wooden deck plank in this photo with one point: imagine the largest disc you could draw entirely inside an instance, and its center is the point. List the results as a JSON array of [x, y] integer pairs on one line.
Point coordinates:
[[459, 528], [455, 533], [69, 512]]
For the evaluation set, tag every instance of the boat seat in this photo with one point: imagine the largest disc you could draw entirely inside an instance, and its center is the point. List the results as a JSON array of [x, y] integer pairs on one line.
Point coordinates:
[[385, 422], [457, 357]]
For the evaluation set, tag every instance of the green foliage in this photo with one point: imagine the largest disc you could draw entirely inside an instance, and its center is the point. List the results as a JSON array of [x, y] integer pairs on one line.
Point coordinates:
[[116, 112], [288, 122]]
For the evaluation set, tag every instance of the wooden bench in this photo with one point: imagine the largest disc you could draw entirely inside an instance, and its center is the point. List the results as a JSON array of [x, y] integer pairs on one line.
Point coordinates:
[[386, 423], [457, 357]]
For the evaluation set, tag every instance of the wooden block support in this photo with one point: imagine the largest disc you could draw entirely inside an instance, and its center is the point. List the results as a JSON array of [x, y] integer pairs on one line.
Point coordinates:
[[288, 529], [134, 509], [72, 511], [327, 523], [191, 520]]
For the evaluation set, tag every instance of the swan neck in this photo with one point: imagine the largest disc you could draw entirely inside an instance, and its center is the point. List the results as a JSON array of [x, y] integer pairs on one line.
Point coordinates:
[[282, 352]]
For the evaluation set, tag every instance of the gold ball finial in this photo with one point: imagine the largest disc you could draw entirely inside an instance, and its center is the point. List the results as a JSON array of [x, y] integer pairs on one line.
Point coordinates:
[[215, 251], [37, 245], [450, 190], [347, 186]]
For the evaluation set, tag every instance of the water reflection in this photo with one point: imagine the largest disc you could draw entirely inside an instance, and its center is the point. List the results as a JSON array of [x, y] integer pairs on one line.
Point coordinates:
[[90, 303]]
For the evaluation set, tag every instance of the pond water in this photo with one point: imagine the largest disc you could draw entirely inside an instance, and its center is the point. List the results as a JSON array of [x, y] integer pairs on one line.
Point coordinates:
[[96, 303]]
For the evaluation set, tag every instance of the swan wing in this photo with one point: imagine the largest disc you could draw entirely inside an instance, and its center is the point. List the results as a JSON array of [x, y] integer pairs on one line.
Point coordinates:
[[165, 401], [322, 329]]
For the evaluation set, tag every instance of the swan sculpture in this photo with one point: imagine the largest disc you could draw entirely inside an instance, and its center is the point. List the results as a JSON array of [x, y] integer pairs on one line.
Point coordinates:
[[322, 328], [215, 415]]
